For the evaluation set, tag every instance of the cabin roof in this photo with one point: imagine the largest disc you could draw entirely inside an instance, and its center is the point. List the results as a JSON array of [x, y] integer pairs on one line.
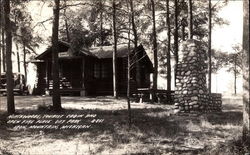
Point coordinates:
[[107, 51], [100, 52], [64, 46], [86, 52]]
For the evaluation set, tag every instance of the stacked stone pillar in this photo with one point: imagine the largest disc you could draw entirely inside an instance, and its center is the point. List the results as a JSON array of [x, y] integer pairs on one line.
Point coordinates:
[[191, 93]]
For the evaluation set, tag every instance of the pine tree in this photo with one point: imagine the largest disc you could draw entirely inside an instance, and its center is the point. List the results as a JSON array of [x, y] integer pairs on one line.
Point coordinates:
[[10, 82], [168, 50], [209, 48], [56, 98], [190, 19], [155, 74], [246, 67], [115, 50], [176, 34]]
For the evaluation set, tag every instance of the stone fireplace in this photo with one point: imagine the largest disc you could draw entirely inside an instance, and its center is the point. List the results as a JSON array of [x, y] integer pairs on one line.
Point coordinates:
[[191, 93]]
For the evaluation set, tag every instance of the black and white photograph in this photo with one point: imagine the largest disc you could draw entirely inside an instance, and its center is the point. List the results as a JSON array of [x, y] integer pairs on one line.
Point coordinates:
[[124, 77]]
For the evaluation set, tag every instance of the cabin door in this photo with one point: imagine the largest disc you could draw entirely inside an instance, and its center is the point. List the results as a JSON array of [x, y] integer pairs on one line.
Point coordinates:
[[71, 73]]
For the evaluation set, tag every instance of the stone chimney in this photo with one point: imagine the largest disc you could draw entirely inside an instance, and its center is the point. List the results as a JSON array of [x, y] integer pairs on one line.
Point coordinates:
[[191, 93]]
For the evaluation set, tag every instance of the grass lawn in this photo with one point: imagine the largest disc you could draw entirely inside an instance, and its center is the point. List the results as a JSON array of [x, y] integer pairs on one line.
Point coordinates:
[[155, 129]]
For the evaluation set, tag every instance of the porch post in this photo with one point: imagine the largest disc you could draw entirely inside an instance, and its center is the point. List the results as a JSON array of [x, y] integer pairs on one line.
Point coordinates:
[[47, 77]]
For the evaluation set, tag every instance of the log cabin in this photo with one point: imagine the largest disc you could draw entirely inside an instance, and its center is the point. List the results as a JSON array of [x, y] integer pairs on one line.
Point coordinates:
[[89, 71]]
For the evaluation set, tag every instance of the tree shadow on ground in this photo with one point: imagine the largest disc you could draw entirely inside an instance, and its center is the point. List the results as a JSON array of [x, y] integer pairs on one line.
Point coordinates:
[[113, 131], [150, 126], [24, 102], [227, 117]]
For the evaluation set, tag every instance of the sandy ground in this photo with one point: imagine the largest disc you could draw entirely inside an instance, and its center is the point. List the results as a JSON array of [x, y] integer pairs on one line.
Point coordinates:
[[154, 130], [100, 103]]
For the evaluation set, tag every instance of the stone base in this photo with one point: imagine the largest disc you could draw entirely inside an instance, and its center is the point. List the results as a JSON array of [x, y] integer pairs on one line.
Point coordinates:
[[198, 103], [191, 93]]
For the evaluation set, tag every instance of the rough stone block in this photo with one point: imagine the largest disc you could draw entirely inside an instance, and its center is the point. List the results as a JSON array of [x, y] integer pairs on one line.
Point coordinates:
[[191, 72]]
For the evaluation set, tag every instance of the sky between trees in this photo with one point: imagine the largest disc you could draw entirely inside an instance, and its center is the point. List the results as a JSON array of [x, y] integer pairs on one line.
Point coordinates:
[[223, 37]]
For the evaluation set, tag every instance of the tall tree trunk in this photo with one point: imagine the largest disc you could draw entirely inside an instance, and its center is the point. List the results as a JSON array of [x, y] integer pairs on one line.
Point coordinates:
[[66, 22], [235, 75], [101, 29], [128, 71], [183, 29], [183, 21], [0, 55], [18, 62], [134, 29], [235, 82], [101, 24], [18, 59], [168, 48], [133, 23], [3, 37], [3, 50], [1, 25], [56, 98], [66, 26], [24, 61], [10, 82], [176, 35], [246, 67], [209, 48], [190, 20], [115, 51], [155, 53]]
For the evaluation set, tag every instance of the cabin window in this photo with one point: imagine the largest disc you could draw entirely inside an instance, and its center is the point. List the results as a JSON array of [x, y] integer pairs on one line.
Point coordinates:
[[97, 70], [105, 71]]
